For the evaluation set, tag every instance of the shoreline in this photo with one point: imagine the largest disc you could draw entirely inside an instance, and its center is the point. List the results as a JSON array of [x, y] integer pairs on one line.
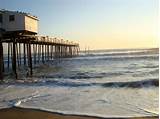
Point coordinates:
[[27, 113]]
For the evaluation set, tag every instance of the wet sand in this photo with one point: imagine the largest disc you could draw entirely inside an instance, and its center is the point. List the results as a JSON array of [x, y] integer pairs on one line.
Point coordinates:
[[19, 113]]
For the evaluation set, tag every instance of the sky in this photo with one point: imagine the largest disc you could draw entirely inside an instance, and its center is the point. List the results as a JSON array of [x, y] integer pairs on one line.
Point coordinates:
[[97, 24]]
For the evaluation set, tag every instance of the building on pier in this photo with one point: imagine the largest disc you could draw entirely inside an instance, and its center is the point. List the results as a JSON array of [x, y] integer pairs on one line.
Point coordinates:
[[14, 21]]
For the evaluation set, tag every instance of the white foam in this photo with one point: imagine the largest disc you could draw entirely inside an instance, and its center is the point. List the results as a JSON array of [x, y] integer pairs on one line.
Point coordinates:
[[85, 100]]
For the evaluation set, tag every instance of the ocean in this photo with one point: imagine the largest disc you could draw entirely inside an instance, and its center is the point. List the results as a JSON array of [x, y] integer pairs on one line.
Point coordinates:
[[103, 83]]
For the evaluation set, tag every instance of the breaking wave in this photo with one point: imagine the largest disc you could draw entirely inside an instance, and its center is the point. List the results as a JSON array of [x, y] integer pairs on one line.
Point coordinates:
[[83, 75], [123, 52], [133, 84], [72, 83]]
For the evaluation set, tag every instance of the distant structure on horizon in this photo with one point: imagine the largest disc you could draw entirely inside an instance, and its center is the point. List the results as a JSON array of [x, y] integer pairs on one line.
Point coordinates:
[[20, 22]]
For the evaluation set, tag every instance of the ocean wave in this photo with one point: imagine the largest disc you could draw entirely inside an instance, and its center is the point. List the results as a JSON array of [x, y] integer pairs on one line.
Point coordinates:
[[82, 114], [72, 83], [151, 66], [83, 75], [142, 74], [156, 71], [95, 75], [129, 57], [129, 84], [117, 58], [122, 52], [18, 101], [69, 83], [133, 84]]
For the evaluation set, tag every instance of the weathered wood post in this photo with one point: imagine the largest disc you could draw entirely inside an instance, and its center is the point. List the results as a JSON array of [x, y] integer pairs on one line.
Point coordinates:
[[20, 53], [55, 51], [14, 62], [17, 54], [60, 51], [39, 52], [8, 55], [66, 51], [35, 52], [53, 55], [69, 50], [45, 52], [51, 51], [42, 53], [48, 52], [24, 53], [1, 59], [30, 58]]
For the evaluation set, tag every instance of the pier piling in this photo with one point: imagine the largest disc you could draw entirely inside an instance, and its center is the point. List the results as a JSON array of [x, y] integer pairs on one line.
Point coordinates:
[[14, 62], [1, 60]]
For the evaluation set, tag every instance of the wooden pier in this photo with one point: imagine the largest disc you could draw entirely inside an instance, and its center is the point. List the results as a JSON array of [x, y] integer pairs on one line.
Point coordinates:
[[31, 49], [24, 48]]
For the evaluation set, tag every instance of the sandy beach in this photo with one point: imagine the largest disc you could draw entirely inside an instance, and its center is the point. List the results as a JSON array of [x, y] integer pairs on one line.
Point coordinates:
[[19, 113]]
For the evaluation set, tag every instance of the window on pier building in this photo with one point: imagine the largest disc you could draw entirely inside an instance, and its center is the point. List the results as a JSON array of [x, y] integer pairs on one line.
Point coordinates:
[[11, 17], [1, 18]]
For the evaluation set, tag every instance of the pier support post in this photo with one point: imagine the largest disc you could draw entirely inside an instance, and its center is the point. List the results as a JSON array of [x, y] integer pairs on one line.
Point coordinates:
[[17, 54], [14, 62], [55, 54], [51, 51], [45, 52], [19, 47], [24, 53], [39, 53], [42, 53], [48, 52], [1, 60], [8, 55], [59, 49], [35, 52], [30, 58]]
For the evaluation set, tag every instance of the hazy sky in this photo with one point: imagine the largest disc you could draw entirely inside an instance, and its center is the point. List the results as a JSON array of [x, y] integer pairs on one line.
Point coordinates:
[[99, 24]]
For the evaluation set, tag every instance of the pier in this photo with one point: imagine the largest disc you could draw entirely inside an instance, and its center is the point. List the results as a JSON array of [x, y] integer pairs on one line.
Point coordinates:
[[31, 49], [18, 36]]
